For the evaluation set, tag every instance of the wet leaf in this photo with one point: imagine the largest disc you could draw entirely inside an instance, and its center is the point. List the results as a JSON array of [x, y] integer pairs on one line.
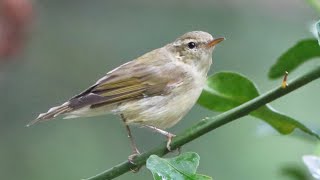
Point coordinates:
[[227, 90], [318, 31], [313, 164], [181, 167]]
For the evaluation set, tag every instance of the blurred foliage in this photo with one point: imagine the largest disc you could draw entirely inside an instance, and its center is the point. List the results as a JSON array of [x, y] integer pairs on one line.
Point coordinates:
[[294, 172], [315, 4], [15, 21], [73, 43]]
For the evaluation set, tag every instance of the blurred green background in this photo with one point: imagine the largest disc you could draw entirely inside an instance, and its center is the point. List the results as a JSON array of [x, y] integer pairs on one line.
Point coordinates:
[[73, 43]]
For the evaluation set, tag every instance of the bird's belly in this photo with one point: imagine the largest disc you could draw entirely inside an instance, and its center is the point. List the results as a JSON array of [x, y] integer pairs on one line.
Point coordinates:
[[160, 111]]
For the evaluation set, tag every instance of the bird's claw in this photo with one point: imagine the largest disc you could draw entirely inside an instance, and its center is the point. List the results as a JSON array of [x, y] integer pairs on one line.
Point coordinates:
[[170, 136], [133, 156], [131, 160]]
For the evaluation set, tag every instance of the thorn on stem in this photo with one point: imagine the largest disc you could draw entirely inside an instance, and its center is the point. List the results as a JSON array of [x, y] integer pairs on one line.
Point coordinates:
[[284, 81]]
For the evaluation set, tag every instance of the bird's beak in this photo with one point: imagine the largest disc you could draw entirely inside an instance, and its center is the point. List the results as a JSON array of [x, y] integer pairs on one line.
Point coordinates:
[[215, 42]]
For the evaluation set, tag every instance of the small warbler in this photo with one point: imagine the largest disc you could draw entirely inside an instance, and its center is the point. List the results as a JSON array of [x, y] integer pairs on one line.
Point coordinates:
[[154, 90]]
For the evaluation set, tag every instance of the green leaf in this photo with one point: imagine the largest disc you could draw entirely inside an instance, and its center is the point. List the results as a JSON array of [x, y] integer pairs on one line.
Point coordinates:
[[298, 54], [227, 90], [181, 167]]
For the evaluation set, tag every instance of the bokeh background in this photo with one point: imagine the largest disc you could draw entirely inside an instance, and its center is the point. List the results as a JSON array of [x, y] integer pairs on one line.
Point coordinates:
[[73, 43]]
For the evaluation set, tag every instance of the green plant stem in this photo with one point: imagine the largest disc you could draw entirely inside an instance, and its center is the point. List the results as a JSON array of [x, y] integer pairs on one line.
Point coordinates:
[[209, 124], [315, 4]]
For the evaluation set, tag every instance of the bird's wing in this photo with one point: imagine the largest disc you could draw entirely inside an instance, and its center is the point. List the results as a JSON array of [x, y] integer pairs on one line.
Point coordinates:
[[130, 81], [133, 80]]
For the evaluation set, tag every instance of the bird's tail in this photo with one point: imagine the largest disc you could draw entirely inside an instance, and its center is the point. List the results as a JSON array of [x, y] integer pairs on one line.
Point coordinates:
[[52, 113]]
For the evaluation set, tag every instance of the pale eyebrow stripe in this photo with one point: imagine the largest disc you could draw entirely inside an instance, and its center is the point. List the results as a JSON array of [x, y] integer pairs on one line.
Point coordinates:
[[186, 41]]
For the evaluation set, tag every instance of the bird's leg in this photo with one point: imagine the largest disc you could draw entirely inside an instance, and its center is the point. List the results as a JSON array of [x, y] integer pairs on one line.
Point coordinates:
[[165, 133], [135, 151]]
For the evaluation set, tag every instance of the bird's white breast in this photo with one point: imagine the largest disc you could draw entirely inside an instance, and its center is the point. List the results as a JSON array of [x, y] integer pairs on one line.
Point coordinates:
[[164, 111]]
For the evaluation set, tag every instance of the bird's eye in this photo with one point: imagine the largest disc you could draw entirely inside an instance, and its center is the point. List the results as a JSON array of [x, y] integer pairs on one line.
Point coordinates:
[[191, 45]]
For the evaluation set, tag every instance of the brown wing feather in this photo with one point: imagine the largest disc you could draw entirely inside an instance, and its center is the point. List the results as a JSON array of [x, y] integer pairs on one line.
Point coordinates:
[[128, 82]]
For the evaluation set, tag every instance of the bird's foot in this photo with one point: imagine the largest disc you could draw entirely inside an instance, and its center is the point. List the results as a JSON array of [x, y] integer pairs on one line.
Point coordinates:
[[131, 160], [169, 136]]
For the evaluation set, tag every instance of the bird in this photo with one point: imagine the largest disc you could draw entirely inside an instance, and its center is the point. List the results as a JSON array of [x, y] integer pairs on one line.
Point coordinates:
[[155, 90]]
